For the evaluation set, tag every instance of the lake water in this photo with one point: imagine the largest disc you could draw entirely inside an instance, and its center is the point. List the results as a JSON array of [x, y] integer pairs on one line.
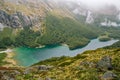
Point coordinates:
[[28, 56]]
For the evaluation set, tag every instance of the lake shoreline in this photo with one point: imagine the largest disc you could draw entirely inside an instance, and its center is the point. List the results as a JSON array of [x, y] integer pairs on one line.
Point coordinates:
[[9, 58], [26, 56], [19, 55]]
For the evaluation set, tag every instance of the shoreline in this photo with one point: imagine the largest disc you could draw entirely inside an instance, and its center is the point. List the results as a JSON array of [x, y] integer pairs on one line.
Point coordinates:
[[6, 51], [9, 58], [14, 63]]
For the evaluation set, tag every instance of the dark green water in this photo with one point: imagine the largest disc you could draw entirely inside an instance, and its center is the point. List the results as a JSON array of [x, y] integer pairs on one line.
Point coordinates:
[[28, 56]]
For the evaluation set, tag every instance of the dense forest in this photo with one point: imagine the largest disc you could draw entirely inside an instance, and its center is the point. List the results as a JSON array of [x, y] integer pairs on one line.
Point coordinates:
[[68, 31], [25, 37]]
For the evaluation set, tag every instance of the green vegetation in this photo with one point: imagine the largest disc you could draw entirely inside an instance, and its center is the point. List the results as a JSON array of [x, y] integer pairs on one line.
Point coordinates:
[[73, 32], [83, 66], [27, 37], [57, 30], [2, 57], [6, 42], [104, 37], [53, 61], [113, 33], [7, 32], [68, 31], [6, 38]]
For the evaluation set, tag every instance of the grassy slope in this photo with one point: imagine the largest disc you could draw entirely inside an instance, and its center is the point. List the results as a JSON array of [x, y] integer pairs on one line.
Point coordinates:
[[2, 57], [7, 32], [72, 68], [11, 8], [67, 68]]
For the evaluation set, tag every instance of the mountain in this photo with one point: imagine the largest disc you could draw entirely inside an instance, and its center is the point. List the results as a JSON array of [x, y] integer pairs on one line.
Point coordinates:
[[36, 23], [38, 9], [65, 22]]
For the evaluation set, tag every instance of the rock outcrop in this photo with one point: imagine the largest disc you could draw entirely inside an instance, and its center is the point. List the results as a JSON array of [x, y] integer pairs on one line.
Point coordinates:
[[8, 74], [44, 67], [105, 64], [17, 20], [109, 76]]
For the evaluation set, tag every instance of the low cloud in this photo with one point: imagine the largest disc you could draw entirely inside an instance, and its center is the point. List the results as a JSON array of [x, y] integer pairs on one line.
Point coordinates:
[[98, 3]]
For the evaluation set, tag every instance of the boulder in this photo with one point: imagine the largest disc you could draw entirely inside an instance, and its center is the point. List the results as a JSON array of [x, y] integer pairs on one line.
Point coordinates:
[[44, 67], [105, 64], [48, 78], [28, 70], [109, 76]]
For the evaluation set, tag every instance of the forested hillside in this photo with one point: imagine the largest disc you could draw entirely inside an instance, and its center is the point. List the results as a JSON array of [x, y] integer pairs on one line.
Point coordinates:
[[51, 23], [65, 30]]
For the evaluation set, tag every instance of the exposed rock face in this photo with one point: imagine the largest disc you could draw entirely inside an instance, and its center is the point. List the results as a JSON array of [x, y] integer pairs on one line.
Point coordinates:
[[25, 20], [105, 64], [4, 18], [109, 76], [44, 67], [89, 18], [1, 27], [37, 69], [17, 20]]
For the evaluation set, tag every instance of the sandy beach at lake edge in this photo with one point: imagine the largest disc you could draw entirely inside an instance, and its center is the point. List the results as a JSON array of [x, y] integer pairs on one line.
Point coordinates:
[[9, 58]]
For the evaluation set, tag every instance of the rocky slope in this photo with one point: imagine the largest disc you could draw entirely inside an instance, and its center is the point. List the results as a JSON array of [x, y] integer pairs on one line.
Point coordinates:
[[20, 13], [17, 15], [15, 20]]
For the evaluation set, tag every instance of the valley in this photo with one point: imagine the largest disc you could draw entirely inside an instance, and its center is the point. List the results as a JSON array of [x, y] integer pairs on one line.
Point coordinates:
[[40, 54], [59, 40]]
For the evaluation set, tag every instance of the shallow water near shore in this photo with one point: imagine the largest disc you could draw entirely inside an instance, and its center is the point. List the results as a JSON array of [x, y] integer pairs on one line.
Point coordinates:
[[25, 56]]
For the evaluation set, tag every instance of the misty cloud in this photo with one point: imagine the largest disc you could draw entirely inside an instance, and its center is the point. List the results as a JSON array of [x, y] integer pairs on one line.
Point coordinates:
[[99, 3]]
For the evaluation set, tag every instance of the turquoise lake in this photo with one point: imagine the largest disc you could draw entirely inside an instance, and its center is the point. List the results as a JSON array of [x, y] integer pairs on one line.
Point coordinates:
[[28, 56]]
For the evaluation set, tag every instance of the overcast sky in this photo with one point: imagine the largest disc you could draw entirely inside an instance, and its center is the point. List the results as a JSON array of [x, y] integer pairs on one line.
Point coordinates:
[[96, 3]]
